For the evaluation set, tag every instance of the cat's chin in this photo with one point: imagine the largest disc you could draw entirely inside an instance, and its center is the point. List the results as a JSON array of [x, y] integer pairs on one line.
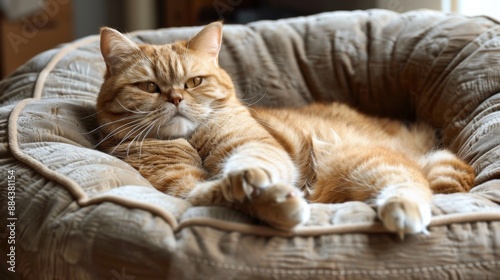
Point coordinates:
[[177, 127]]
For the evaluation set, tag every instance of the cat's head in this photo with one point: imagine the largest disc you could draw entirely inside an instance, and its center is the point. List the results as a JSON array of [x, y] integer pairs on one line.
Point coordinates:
[[161, 91]]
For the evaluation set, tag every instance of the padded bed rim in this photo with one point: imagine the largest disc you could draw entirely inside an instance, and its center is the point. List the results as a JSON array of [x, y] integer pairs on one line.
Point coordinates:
[[83, 200]]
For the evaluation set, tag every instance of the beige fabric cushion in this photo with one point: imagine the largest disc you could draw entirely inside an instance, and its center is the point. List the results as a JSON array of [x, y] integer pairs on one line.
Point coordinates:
[[82, 214]]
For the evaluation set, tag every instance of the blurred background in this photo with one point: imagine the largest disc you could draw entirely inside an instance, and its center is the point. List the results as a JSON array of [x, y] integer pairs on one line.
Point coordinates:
[[29, 27]]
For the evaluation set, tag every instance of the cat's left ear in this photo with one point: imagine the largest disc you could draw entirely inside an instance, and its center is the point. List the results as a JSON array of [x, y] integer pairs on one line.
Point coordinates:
[[115, 47], [208, 40]]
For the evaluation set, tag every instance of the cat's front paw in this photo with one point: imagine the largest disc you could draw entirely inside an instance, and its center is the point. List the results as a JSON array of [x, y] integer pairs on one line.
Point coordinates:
[[405, 213], [245, 184], [280, 205]]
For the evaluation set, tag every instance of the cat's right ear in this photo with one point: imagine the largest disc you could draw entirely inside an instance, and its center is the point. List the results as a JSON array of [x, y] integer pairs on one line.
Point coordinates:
[[208, 40], [115, 47]]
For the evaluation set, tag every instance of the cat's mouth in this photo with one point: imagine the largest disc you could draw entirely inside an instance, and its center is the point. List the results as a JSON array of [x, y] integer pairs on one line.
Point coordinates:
[[178, 125], [178, 114]]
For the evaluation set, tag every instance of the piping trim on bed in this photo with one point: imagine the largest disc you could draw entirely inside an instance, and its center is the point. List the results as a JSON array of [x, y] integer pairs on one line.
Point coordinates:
[[441, 220], [42, 77], [18, 153]]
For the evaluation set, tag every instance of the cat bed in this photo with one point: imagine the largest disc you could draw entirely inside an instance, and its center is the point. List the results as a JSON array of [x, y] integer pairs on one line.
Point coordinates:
[[77, 213]]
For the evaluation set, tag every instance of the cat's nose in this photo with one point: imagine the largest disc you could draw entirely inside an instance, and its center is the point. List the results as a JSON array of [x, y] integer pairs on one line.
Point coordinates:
[[175, 98]]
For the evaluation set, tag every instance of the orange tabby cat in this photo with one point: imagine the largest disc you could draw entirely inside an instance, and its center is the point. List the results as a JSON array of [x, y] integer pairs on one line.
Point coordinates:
[[172, 113]]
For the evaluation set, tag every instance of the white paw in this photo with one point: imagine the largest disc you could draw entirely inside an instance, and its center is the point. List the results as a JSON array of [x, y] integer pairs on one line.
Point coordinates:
[[245, 184], [405, 211], [282, 206]]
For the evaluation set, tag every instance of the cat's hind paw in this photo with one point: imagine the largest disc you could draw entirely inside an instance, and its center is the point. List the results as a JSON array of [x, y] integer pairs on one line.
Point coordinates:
[[447, 173], [406, 212]]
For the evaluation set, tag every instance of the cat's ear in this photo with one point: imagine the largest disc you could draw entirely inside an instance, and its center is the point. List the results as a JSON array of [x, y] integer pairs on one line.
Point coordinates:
[[208, 40], [115, 47]]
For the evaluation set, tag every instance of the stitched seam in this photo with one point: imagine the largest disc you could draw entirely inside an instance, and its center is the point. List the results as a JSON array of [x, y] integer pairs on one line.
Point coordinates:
[[333, 272]]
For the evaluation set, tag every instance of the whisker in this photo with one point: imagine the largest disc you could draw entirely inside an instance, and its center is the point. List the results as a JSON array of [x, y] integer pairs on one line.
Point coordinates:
[[244, 94], [158, 130], [137, 127], [145, 135], [260, 99], [91, 115], [144, 131], [116, 131], [109, 123], [137, 111]]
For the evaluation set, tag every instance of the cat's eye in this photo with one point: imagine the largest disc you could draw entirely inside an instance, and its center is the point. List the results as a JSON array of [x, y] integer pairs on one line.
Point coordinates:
[[193, 82], [148, 87]]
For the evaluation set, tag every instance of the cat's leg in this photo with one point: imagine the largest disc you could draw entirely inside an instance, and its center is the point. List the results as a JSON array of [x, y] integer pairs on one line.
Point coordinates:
[[447, 173], [250, 183], [257, 179], [279, 205], [387, 178], [171, 166]]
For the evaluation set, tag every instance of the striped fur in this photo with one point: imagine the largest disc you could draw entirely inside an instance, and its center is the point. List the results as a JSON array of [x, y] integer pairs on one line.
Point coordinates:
[[172, 113]]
